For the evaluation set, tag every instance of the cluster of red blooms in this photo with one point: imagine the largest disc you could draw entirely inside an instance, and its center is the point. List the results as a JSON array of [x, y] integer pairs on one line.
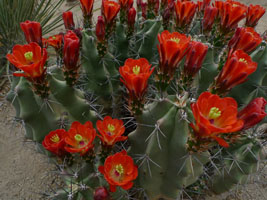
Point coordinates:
[[31, 58], [118, 169]]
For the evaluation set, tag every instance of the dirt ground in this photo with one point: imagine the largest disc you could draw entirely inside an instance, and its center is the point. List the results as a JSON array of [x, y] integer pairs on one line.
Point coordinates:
[[27, 175]]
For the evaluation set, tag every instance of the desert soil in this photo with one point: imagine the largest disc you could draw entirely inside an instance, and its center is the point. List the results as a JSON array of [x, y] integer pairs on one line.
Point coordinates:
[[27, 175]]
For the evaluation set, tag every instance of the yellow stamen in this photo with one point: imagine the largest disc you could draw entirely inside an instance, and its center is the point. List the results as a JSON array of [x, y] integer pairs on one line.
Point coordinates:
[[78, 137], [55, 138], [119, 169], [111, 128], [54, 37], [243, 60], [136, 70], [177, 40], [214, 113], [28, 56]]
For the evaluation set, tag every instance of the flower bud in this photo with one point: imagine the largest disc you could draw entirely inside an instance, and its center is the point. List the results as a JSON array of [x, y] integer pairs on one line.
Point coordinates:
[[100, 29], [253, 113], [68, 20], [101, 193], [194, 58], [131, 17]]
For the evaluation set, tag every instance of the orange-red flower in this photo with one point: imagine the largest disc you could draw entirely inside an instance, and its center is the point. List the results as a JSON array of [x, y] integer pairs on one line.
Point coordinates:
[[253, 113], [255, 12], [232, 12], [56, 41], [80, 138], [87, 7], [235, 71], [71, 50], [111, 131], [55, 142], [135, 74], [119, 170], [185, 12], [214, 115], [110, 10], [210, 14], [172, 48], [195, 58], [32, 31], [246, 39], [30, 59], [68, 20]]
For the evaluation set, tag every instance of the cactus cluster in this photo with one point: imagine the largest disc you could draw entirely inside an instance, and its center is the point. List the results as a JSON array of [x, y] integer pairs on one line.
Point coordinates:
[[154, 102]]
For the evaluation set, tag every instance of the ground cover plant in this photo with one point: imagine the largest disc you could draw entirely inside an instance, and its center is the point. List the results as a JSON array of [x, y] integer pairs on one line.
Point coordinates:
[[156, 102]]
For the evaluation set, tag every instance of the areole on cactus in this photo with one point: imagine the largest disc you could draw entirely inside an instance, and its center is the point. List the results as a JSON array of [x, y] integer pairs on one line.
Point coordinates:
[[140, 104]]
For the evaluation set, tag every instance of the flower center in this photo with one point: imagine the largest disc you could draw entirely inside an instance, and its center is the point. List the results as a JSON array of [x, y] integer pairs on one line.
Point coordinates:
[[54, 37], [28, 56], [78, 137], [111, 129], [55, 138], [136, 70], [119, 170], [177, 40], [214, 113], [243, 60]]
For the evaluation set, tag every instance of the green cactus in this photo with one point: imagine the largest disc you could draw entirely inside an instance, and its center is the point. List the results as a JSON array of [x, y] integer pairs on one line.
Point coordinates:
[[162, 143]]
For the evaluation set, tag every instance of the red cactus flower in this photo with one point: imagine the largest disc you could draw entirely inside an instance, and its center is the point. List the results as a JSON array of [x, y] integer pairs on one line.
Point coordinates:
[[215, 115], [195, 58], [131, 17], [232, 12], [101, 193], [185, 12], [255, 12], [68, 20], [119, 170], [172, 47], [246, 39], [210, 14], [110, 10], [235, 71], [111, 131], [80, 138], [55, 142], [56, 41], [87, 7], [32, 31], [100, 29], [253, 113], [30, 59], [71, 50], [135, 74]]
